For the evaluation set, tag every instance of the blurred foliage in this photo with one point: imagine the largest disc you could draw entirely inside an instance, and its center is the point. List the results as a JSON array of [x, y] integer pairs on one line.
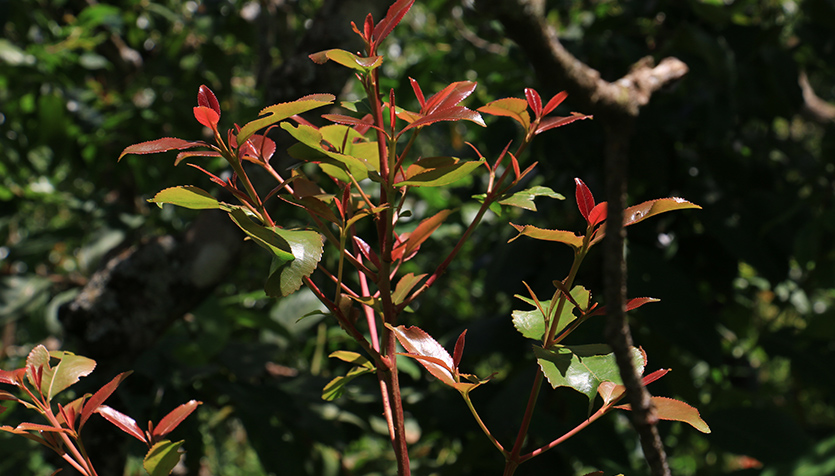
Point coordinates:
[[747, 318]]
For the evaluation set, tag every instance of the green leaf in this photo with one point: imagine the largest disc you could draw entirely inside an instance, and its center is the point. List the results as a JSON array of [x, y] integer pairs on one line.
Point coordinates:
[[582, 367], [66, 373], [287, 277], [404, 286], [336, 387], [531, 324], [162, 457], [345, 58], [569, 238], [37, 362], [676, 410], [333, 163], [525, 198], [187, 196], [264, 236], [438, 171], [279, 112], [645, 210]]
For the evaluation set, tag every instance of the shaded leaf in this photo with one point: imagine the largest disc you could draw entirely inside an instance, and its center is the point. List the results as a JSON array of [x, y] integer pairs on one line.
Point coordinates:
[[424, 231], [552, 122], [281, 111], [195, 153], [676, 410], [531, 324], [567, 237], [585, 200], [333, 163], [438, 171], [162, 457], [336, 387], [206, 98], [187, 196], [160, 145]]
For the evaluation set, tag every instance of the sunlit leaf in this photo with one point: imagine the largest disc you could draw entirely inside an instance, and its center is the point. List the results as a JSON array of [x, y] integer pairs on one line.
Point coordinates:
[[534, 101], [531, 324], [100, 396], [207, 98], [424, 231], [122, 421], [281, 111], [335, 164], [585, 200], [162, 457], [187, 196], [525, 198], [419, 343], [554, 102], [393, 16], [438, 171], [405, 286], [645, 210], [552, 122], [567, 237], [582, 367], [359, 63], [306, 247], [515, 108], [457, 113], [66, 373], [160, 145], [206, 116], [37, 362], [12, 377], [676, 410], [336, 387], [174, 418]]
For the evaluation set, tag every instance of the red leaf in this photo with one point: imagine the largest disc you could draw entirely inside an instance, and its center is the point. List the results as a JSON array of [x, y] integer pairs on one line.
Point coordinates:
[[195, 153], [207, 116], [100, 396], [648, 379], [676, 410], [366, 251], [554, 102], [534, 101], [459, 349], [418, 93], [206, 98], [585, 200], [635, 303], [450, 96], [553, 122], [597, 214], [122, 421], [160, 145], [393, 16], [645, 210], [174, 418], [258, 148], [12, 377], [450, 114], [419, 343]]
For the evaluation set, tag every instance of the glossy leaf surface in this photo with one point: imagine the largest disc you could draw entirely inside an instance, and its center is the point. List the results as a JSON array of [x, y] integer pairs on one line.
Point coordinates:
[[582, 367], [306, 247], [100, 396], [420, 344], [551, 122], [174, 418], [347, 59], [640, 212], [515, 108], [395, 13], [122, 421], [424, 231], [531, 324], [569, 238]]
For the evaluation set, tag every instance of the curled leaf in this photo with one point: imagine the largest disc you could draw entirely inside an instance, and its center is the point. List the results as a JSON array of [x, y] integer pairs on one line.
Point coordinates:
[[428, 352]]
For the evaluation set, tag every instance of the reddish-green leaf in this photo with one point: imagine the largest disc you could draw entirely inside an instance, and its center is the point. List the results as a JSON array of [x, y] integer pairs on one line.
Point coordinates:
[[450, 96], [206, 98], [206, 116], [279, 112], [350, 60], [645, 210], [456, 113], [258, 149], [585, 200], [567, 237], [438, 171], [552, 122], [100, 396], [187, 196], [393, 16], [13, 377], [66, 373], [405, 286], [36, 362], [676, 410], [161, 145], [534, 101], [162, 457], [174, 418], [515, 108], [122, 421], [424, 231], [195, 153], [554, 102], [418, 93], [420, 344], [4, 395]]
